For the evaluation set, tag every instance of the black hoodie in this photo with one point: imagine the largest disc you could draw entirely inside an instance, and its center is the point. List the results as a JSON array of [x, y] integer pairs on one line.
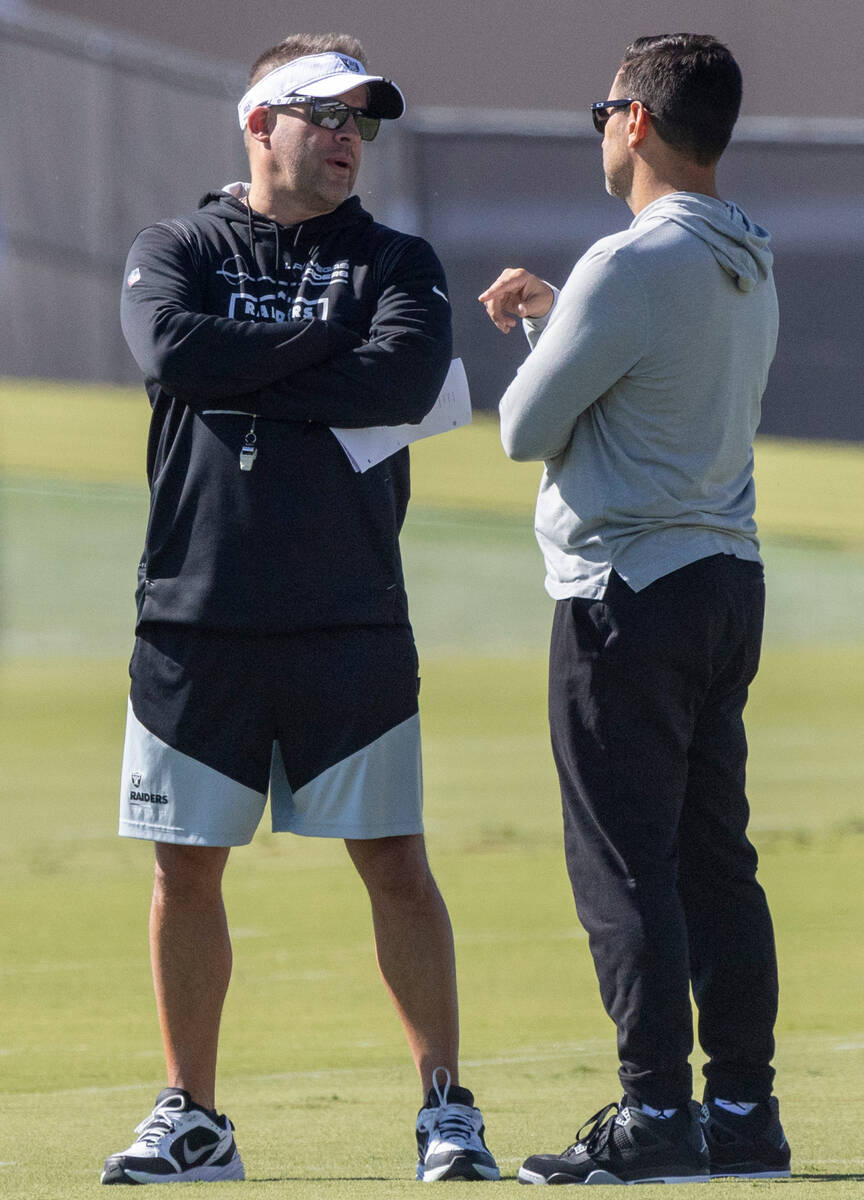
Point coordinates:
[[242, 326]]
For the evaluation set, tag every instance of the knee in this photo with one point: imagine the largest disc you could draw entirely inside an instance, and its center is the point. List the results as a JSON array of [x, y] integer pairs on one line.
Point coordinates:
[[189, 871], [395, 869]]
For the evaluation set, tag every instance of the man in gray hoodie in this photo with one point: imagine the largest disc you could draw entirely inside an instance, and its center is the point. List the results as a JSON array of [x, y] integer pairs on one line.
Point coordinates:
[[642, 394]]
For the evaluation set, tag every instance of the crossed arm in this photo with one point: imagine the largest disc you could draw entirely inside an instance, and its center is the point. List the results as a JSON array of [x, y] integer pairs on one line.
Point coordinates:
[[306, 370]]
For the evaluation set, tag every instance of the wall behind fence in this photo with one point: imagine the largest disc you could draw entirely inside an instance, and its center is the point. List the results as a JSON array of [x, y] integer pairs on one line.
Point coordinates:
[[104, 134]]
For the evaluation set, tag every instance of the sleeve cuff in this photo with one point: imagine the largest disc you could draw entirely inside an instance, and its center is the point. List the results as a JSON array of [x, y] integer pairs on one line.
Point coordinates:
[[534, 326]]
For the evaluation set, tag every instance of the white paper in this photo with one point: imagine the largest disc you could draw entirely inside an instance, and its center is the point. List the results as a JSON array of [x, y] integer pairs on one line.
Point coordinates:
[[367, 447]]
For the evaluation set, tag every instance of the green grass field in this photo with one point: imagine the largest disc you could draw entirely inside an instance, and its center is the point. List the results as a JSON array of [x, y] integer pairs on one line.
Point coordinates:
[[314, 1071]]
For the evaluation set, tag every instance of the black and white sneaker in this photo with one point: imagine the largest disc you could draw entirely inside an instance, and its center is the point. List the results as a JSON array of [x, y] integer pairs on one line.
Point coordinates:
[[178, 1141], [450, 1135], [749, 1145], [622, 1144]]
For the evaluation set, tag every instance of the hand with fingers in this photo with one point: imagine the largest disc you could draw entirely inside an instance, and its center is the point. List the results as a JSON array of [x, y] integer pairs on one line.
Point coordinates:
[[515, 294]]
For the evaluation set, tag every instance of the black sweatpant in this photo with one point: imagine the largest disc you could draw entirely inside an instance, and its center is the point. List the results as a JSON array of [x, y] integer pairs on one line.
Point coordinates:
[[646, 695]]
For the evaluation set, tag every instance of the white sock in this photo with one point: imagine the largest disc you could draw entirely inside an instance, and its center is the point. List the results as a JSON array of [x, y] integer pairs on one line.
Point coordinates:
[[665, 1113], [741, 1108]]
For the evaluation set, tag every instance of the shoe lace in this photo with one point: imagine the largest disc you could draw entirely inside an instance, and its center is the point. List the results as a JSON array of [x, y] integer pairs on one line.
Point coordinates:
[[451, 1121], [162, 1120], [596, 1131], [452, 1125]]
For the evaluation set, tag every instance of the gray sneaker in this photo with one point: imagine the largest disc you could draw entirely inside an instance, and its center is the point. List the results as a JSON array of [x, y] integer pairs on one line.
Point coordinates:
[[178, 1142], [450, 1132]]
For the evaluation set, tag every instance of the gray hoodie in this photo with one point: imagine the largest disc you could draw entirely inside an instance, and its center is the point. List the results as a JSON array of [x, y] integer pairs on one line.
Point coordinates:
[[642, 394]]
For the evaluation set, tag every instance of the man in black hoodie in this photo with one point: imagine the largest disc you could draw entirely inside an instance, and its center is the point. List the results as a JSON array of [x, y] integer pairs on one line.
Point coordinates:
[[273, 649]]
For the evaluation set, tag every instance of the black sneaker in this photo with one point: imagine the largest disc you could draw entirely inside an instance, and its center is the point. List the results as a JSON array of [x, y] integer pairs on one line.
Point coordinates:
[[748, 1146], [450, 1132], [178, 1141], [622, 1144]]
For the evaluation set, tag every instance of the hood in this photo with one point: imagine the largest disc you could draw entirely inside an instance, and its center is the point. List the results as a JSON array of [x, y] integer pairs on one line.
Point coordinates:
[[230, 204], [273, 246], [739, 244]]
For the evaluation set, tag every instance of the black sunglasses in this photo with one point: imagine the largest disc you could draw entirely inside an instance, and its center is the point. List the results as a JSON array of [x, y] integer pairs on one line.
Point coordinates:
[[332, 114], [602, 110]]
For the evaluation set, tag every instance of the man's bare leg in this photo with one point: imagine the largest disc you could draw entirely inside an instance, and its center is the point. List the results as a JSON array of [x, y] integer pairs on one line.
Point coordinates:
[[414, 942], [190, 953]]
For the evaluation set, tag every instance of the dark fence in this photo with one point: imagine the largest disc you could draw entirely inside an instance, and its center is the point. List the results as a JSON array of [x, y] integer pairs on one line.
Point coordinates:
[[491, 199], [104, 134]]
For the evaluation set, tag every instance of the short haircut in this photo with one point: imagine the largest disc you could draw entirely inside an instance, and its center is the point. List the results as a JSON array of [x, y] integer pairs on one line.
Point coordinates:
[[691, 85], [298, 45]]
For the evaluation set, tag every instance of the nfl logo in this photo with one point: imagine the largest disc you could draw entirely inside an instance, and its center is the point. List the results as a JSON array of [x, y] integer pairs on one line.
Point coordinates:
[[136, 779]]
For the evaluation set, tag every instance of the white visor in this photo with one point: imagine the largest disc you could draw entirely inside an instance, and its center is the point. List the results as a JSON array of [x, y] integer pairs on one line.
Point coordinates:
[[322, 75]]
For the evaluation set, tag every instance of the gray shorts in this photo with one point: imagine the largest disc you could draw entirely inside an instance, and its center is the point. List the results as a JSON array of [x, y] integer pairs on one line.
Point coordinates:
[[325, 721]]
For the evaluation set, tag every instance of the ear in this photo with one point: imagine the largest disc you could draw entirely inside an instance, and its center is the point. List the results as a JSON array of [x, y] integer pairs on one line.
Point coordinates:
[[638, 123], [258, 123]]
